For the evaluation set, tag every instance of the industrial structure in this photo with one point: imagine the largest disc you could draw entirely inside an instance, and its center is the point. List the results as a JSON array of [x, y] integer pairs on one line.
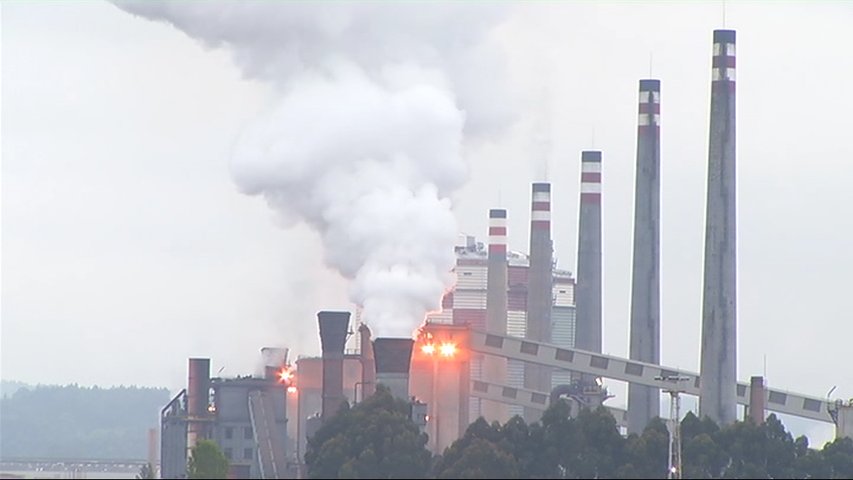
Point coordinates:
[[719, 292], [514, 335], [644, 402], [245, 416]]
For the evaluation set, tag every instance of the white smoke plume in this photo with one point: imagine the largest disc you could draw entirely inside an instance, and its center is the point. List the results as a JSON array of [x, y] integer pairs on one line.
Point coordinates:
[[365, 144]]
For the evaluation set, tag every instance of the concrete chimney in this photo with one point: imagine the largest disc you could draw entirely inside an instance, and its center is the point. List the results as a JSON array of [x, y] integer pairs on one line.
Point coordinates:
[[588, 290], [393, 357], [644, 402], [539, 290], [718, 368], [198, 393], [333, 335], [757, 400], [494, 368], [368, 363]]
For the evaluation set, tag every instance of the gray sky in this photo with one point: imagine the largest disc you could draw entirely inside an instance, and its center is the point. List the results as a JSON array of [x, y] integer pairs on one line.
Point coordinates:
[[126, 246]]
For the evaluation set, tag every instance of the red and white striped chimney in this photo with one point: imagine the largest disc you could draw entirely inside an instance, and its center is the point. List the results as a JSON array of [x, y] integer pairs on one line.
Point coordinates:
[[494, 368], [539, 290], [588, 290]]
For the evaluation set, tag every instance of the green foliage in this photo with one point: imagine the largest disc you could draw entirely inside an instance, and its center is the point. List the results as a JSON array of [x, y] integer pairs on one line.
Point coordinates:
[[590, 446], [207, 461], [146, 471], [79, 422], [374, 439], [838, 457]]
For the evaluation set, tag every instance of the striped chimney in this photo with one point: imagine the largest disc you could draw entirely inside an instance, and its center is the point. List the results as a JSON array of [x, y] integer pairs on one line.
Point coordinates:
[[718, 368], [494, 368], [588, 290], [644, 402], [539, 289]]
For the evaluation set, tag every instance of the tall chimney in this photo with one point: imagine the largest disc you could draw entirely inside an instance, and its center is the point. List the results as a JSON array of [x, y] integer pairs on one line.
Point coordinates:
[[333, 335], [644, 402], [393, 357], [368, 363], [588, 290], [494, 368], [718, 368], [198, 393], [756, 400], [539, 290]]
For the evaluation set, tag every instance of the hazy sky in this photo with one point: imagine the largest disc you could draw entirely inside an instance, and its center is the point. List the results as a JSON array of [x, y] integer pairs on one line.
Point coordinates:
[[127, 247]]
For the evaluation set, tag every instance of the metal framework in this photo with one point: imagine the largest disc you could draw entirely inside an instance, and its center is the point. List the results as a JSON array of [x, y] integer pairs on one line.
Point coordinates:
[[609, 366], [528, 398]]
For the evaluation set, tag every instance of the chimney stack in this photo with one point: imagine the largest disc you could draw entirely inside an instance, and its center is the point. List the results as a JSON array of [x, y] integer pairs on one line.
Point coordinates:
[[334, 327], [198, 393], [718, 368], [368, 363], [539, 290], [393, 357], [757, 395], [644, 402], [588, 290], [494, 368]]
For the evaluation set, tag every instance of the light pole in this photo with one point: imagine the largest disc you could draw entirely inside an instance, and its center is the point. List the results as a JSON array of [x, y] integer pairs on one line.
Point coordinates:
[[674, 470]]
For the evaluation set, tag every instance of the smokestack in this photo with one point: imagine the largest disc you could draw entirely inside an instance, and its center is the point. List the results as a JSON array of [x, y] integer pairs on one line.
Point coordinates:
[[718, 369], [756, 400], [539, 290], [494, 368], [368, 363], [644, 402], [333, 335], [588, 290], [393, 357], [198, 393]]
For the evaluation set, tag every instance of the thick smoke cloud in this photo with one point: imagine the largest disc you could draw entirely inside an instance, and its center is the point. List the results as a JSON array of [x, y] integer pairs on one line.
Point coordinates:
[[365, 142]]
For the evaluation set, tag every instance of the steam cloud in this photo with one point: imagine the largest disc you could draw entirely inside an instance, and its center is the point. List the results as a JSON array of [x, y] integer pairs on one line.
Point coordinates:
[[366, 141]]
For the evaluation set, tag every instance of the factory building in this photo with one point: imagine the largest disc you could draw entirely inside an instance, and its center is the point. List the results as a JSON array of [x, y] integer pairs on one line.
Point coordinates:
[[466, 305], [245, 416]]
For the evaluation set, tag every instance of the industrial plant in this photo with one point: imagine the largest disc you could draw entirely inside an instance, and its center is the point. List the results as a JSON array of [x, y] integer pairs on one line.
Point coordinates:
[[515, 334]]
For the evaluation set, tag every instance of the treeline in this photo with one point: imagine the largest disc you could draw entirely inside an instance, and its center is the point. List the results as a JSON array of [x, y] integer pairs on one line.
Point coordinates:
[[79, 422], [376, 439]]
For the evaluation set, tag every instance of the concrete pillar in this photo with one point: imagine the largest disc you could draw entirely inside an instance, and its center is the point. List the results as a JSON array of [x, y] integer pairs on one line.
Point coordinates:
[[718, 368], [539, 290], [643, 401], [368, 363], [393, 358], [334, 327]]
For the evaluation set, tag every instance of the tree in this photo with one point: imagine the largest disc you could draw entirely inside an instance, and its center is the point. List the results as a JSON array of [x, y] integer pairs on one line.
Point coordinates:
[[478, 458], [146, 471], [645, 455], [374, 439], [595, 449], [207, 461], [838, 456]]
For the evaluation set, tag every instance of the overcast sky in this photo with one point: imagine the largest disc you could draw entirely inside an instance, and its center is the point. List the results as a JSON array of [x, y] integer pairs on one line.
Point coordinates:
[[127, 247]]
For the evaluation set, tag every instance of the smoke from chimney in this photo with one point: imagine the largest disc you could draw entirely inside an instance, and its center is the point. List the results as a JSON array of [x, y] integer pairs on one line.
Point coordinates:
[[364, 144]]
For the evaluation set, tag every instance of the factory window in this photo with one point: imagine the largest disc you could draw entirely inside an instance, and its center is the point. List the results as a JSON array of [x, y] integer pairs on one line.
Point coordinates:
[[247, 453], [229, 433], [247, 433], [228, 453]]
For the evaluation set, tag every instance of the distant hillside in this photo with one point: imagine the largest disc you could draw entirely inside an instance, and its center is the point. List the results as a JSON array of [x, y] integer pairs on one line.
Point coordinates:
[[78, 422]]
